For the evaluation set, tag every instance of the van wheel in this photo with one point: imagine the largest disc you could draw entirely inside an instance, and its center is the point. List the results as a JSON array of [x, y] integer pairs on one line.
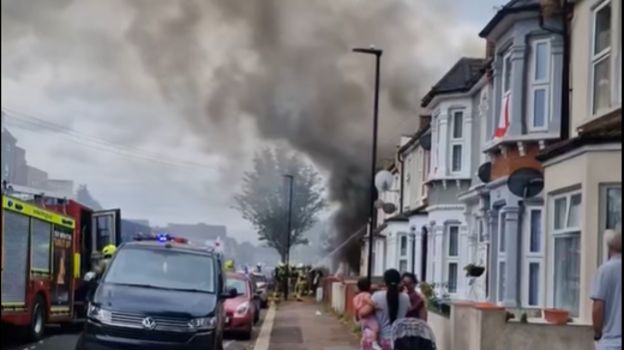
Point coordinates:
[[37, 322]]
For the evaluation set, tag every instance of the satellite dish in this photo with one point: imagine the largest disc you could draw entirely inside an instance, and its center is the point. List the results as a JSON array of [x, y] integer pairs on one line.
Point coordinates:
[[425, 142], [526, 182], [383, 181], [389, 208], [485, 172]]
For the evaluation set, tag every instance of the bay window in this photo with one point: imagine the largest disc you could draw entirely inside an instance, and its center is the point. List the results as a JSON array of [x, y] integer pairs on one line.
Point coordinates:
[[566, 230], [601, 58], [539, 85], [502, 257]]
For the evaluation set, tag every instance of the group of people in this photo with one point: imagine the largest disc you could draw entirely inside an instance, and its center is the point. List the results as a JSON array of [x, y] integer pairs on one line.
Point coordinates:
[[394, 318], [302, 280]]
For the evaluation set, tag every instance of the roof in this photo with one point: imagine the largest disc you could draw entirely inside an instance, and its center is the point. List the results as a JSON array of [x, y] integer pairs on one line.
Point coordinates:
[[514, 6], [414, 138], [418, 210], [461, 78], [611, 134]]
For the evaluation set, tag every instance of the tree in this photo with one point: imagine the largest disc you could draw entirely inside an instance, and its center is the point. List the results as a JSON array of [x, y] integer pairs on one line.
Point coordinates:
[[263, 200]]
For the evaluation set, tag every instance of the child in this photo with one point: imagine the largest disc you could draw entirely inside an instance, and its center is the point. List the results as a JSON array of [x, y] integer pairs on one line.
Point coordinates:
[[369, 325]]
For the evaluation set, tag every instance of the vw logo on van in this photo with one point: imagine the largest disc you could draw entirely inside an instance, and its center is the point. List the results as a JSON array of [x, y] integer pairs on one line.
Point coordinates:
[[149, 323]]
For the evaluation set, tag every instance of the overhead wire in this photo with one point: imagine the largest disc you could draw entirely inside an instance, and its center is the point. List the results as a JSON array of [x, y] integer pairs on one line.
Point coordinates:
[[93, 142]]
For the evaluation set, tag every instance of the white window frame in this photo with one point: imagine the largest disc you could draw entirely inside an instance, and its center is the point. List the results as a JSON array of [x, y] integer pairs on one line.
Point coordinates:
[[562, 233], [531, 257], [602, 209], [452, 259], [426, 158], [596, 58], [506, 56], [456, 141], [539, 84], [501, 257]]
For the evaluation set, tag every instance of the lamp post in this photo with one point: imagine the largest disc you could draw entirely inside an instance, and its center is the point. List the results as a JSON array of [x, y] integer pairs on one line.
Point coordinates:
[[291, 180], [377, 53]]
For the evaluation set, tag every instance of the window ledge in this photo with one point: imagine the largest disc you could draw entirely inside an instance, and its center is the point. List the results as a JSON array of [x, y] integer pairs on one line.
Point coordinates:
[[586, 124], [533, 137]]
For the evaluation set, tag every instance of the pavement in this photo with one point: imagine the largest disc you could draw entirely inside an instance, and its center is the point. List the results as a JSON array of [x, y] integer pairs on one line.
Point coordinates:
[[303, 326]]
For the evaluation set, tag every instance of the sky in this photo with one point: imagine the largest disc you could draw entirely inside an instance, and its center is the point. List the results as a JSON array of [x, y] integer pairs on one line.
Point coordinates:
[[151, 103]]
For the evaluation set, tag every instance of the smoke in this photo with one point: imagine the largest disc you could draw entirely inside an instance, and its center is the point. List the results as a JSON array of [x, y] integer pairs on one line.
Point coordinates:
[[283, 71]]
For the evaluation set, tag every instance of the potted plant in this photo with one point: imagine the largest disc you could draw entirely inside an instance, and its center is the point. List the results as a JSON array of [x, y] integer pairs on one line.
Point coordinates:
[[473, 270], [556, 316]]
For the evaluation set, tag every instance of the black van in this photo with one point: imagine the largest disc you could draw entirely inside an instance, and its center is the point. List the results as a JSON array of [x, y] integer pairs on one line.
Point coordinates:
[[158, 295]]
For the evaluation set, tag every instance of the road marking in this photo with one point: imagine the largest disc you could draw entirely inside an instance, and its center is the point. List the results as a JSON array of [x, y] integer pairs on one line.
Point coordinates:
[[264, 338], [227, 344]]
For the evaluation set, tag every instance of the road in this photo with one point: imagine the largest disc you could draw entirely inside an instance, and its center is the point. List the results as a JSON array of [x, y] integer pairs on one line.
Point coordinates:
[[57, 339]]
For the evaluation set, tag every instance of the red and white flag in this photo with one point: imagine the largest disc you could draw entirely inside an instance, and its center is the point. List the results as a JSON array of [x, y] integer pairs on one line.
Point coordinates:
[[503, 122]]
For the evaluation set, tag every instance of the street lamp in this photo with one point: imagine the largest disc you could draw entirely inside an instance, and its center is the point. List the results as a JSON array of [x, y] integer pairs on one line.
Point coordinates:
[[377, 52], [291, 180]]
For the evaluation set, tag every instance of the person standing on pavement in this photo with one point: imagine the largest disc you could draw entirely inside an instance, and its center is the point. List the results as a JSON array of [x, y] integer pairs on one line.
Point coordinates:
[[417, 301], [607, 297], [390, 305]]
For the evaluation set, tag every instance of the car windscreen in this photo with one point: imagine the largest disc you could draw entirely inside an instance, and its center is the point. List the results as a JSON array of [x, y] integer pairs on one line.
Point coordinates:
[[162, 268], [240, 285]]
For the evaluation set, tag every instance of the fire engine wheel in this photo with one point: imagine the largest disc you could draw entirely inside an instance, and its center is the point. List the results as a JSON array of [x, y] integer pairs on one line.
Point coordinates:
[[37, 323]]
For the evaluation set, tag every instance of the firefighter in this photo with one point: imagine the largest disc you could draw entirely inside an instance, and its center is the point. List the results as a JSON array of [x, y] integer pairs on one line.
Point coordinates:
[[107, 255], [229, 266], [300, 282]]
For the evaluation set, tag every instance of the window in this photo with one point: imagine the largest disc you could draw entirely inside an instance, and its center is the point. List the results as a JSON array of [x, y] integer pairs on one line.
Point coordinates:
[[534, 277], [567, 237], [458, 124], [507, 74], [452, 257], [501, 281], [610, 214], [15, 244], [601, 58], [452, 278], [533, 258], [403, 265], [40, 246], [539, 85], [535, 231], [501, 234], [453, 241], [482, 233], [403, 245], [456, 158]]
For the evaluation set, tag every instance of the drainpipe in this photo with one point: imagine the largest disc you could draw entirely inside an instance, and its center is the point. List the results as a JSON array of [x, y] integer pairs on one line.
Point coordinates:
[[565, 79], [401, 160]]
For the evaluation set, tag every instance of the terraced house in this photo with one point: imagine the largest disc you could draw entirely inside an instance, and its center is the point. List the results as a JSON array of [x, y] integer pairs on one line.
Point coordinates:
[[453, 104], [583, 174]]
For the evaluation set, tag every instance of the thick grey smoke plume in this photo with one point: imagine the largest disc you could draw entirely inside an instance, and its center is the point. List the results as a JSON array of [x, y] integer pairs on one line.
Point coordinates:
[[283, 70]]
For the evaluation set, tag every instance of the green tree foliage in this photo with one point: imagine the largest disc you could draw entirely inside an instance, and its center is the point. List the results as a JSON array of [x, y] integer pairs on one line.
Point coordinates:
[[263, 200]]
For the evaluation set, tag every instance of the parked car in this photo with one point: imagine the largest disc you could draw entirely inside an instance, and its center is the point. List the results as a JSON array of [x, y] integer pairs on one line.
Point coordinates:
[[157, 295], [242, 311], [262, 289]]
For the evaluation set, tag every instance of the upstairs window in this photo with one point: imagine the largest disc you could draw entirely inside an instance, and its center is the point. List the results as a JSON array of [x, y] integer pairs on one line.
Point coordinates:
[[458, 124], [539, 85], [601, 58]]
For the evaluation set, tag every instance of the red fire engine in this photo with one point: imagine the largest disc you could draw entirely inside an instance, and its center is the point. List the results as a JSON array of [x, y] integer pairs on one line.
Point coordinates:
[[47, 247]]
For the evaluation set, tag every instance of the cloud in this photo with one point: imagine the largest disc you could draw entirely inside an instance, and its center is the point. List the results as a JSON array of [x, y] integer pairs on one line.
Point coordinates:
[[212, 81]]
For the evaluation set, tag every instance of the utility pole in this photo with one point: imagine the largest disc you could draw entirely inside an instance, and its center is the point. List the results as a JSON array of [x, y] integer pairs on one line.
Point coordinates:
[[377, 53], [291, 180]]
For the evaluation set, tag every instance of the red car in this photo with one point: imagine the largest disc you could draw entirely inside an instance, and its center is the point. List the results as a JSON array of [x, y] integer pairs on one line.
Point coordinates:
[[241, 312]]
